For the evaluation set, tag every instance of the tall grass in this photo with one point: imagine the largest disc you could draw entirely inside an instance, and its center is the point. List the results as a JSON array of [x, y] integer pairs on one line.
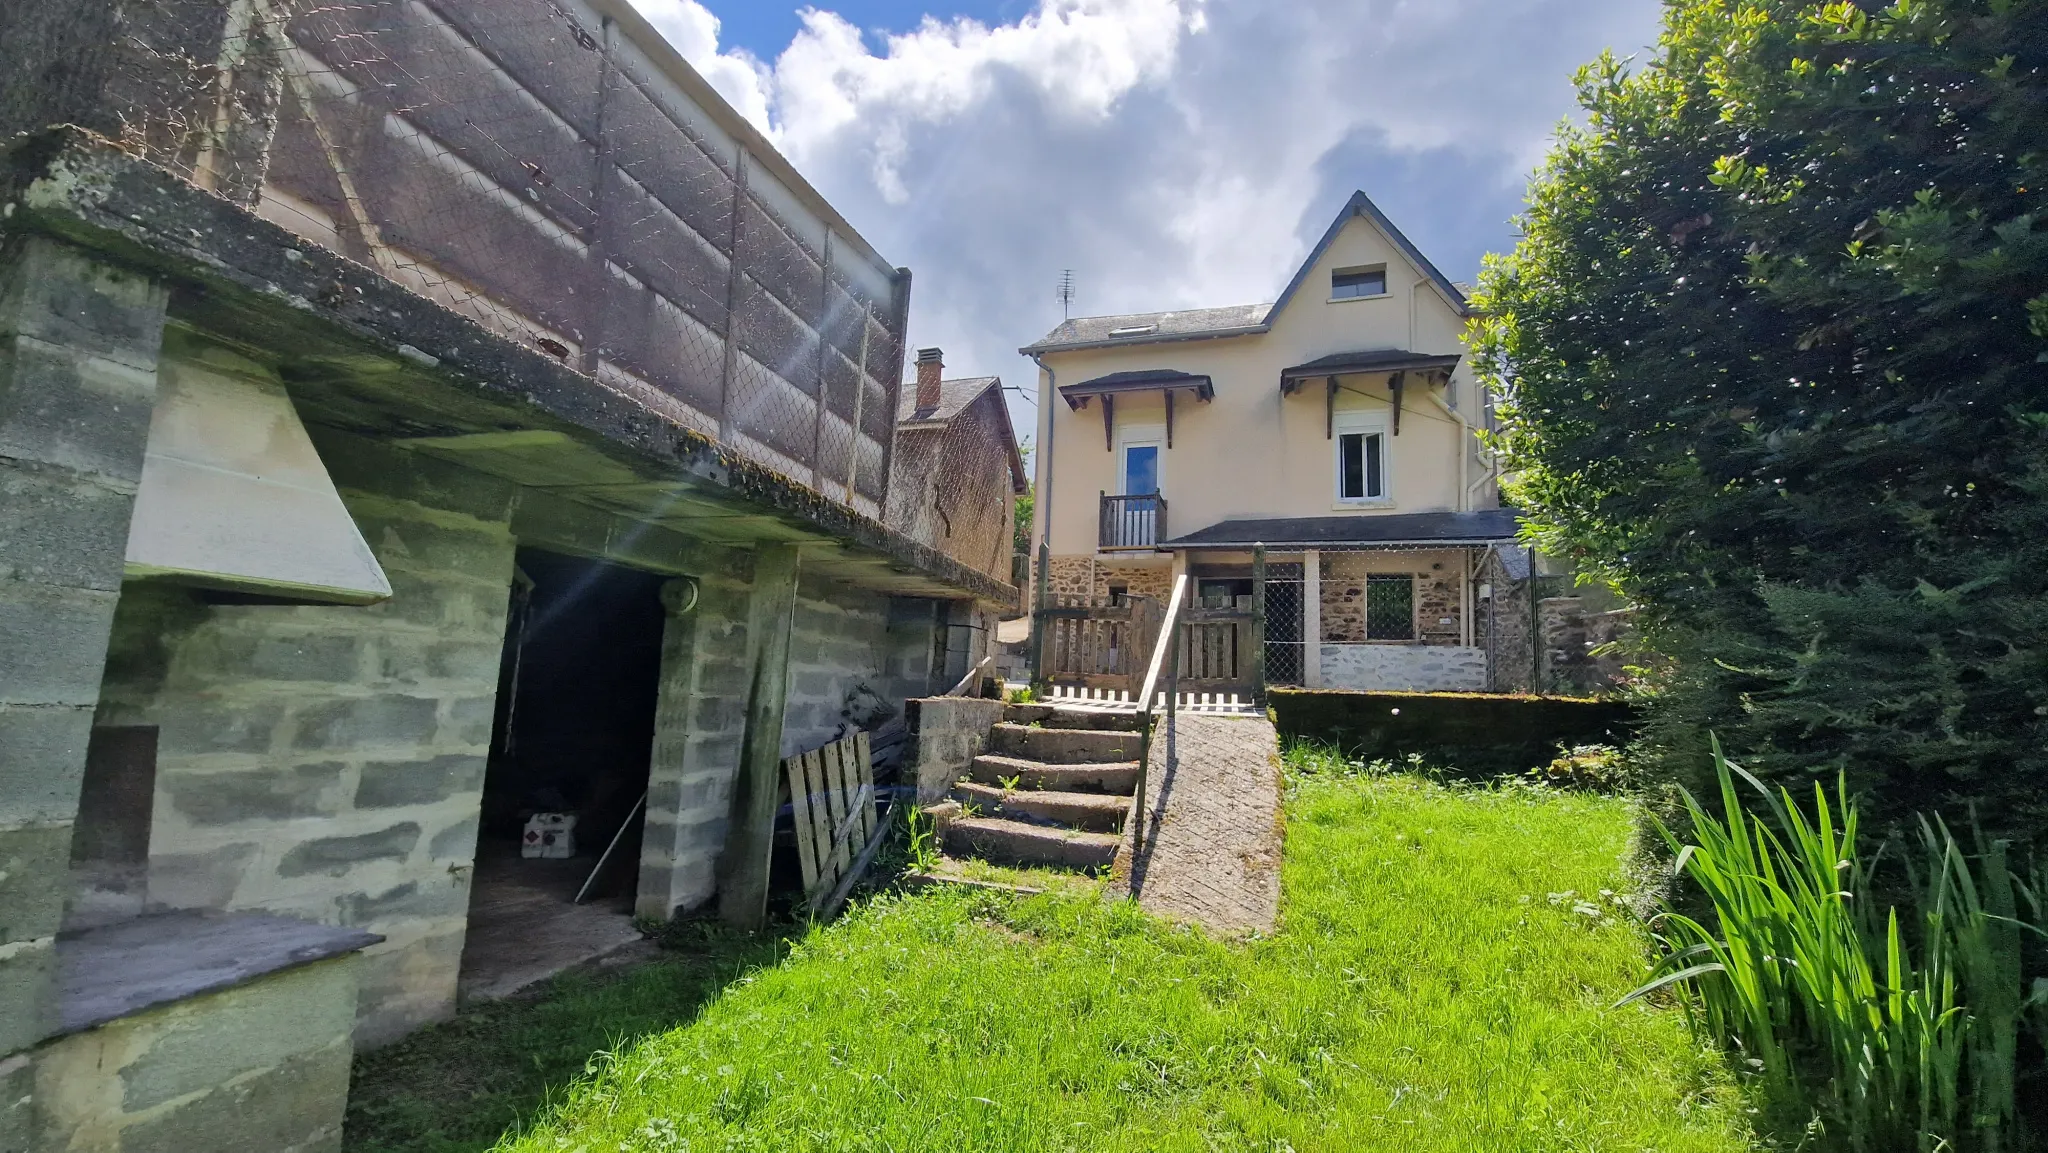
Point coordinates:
[[1870, 1028]]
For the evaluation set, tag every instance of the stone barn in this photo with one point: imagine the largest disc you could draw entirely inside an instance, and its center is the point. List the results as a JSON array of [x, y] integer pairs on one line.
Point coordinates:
[[419, 422]]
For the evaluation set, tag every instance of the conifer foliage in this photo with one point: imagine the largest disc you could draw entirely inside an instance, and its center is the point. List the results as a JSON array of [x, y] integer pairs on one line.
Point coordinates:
[[1774, 359]]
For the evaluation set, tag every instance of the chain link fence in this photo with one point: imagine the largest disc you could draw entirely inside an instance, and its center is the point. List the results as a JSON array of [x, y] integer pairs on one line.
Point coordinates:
[[1413, 617], [549, 170]]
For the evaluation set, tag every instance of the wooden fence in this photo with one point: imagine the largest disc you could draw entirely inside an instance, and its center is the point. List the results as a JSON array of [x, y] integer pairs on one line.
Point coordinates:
[[1103, 645]]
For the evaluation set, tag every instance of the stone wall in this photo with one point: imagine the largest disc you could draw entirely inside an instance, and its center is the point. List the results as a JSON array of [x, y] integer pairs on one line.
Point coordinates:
[[950, 734], [259, 1066], [1139, 579], [1438, 599], [78, 349], [1404, 668], [1575, 640], [848, 652], [1070, 576], [327, 762]]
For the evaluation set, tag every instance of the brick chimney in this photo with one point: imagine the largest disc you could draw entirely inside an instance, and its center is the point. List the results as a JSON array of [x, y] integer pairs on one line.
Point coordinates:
[[931, 368]]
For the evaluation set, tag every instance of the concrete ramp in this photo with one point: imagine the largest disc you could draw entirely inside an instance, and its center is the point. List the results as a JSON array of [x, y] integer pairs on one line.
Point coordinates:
[[1212, 828]]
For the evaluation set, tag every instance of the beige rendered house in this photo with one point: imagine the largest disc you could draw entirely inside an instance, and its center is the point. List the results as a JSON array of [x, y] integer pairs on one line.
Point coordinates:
[[1337, 427]]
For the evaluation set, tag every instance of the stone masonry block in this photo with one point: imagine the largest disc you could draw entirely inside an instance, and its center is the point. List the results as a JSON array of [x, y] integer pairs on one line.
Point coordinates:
[[63, 407], [58, 528], [316, 657], [208, 726], [295, 1106], [336, 855], [226, 798], [33, 880], [64, 296], [28, 1004], [42, 759], [17, 1103], [407, 987], [368, 723], [391, 784], [469, 722], [441, 897], [55, 641], [200, 1043], [206, 879], [457, 842]]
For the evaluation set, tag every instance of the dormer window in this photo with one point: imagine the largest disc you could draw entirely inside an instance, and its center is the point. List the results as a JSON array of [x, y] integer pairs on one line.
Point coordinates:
[[1355, 283]]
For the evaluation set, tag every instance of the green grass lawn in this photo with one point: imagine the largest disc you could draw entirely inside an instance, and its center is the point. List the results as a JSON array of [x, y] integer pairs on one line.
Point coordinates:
[[1441, 981]]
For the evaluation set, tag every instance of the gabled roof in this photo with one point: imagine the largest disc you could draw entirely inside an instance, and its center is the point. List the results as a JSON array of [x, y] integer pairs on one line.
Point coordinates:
[[1154, 327], [955, 397], [1241, 319], [1361, 205], [1409, 528]]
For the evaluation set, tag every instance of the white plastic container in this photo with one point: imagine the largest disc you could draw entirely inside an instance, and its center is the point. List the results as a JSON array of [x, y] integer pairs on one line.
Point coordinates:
[[550, 836]]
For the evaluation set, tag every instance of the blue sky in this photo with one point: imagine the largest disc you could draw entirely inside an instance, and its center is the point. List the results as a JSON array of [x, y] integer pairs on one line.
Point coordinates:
[[1173, 153], [765, 27]]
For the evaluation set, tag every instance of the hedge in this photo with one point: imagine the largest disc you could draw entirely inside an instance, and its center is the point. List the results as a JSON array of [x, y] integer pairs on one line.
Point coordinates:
[[1479, 734]]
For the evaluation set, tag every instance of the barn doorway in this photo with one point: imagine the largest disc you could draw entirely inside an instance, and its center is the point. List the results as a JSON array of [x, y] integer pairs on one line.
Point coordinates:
[[558, 839]]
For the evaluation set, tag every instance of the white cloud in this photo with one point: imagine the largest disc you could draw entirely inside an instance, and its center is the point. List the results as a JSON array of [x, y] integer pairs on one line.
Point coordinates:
[[1175, 153]]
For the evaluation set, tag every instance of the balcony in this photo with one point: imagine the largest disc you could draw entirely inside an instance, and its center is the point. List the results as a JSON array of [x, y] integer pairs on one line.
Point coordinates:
[[1132, 522]]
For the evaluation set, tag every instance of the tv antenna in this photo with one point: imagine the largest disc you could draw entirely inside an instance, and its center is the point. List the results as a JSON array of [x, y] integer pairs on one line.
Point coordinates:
[[1066, 293]]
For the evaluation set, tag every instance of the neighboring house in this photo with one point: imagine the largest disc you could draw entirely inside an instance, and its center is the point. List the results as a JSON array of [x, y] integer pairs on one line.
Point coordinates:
[[957, 469], [1337, 427], [423, 416]]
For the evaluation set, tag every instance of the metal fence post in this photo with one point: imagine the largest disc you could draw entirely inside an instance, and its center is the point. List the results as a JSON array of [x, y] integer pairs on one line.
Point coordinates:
[[1039, 681], [1259, 625]]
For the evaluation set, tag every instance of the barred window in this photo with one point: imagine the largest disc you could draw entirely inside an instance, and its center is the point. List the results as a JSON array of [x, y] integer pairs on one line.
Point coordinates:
[[1390, 608]]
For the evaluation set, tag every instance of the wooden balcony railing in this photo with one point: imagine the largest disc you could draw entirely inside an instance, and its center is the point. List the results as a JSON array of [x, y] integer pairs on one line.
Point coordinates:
[[1132, 521]]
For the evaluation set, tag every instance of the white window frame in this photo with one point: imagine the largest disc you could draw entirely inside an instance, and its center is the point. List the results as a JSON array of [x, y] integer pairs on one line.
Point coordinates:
[[1369, 423], [1139, 436], [1386, 283]]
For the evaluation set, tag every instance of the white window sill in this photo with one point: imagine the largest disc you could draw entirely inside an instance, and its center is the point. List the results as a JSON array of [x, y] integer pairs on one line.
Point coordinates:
[[1368, 503], [1356, 299]]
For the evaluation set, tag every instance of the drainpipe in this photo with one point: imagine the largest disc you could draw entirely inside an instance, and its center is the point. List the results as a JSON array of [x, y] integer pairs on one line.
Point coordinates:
[[1042, 507], [1464, 451]]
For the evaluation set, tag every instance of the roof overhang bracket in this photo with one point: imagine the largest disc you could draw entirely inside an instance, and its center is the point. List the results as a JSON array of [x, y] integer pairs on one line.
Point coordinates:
[[1395, 385], [1108, 423], [1330, 411], [1169, 418]]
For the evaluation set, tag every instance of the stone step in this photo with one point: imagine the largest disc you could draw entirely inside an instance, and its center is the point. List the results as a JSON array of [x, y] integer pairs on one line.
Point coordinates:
[[1054, 717], [1017, 843], [1093, 812], [1063, 746], [993, 769]]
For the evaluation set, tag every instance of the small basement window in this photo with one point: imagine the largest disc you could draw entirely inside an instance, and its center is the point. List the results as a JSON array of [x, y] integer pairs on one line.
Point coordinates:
[[1352, 283], [1390, 607]]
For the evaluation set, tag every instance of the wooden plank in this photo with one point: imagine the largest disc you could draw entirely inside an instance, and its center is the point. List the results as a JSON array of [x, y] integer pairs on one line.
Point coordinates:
[[821, 817], [863, 759], [800, 811], [836, 797], [743, 893]]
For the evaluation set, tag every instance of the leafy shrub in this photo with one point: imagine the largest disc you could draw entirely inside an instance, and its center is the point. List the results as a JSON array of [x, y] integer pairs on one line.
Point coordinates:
[[1602, 768], [1873, 1028], [1773, 359]]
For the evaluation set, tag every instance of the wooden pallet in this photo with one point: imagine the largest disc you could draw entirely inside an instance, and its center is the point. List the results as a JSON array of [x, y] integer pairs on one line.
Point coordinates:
[[832, 793]]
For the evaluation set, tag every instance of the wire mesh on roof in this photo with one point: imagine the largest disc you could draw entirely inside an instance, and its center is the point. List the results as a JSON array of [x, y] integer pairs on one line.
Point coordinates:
[[537, 168]]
